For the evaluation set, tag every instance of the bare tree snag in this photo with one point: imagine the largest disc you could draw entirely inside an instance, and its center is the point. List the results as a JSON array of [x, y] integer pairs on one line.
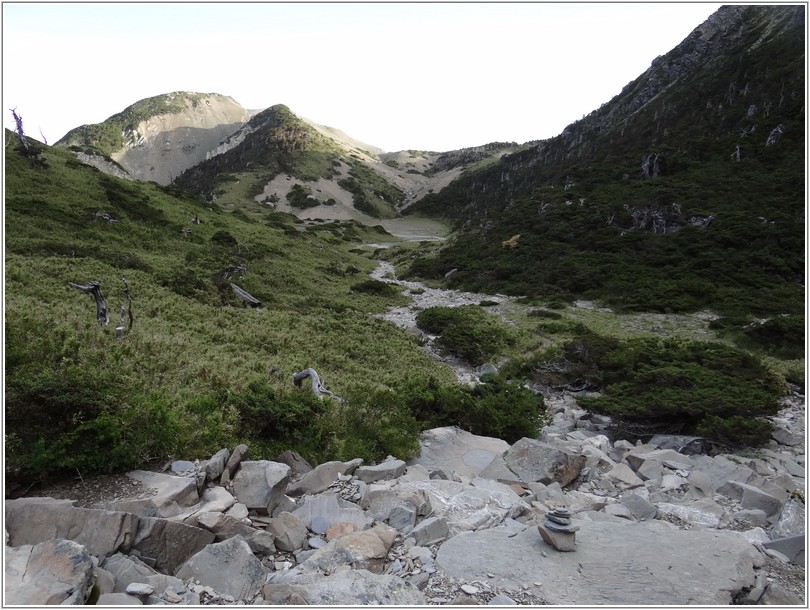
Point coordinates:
[[250, 301], [128, 308], [20, 132], [317, 385], [94, 288]]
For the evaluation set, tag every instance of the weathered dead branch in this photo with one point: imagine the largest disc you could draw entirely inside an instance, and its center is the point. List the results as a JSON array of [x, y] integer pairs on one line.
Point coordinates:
[[94, 288], [318, 387]]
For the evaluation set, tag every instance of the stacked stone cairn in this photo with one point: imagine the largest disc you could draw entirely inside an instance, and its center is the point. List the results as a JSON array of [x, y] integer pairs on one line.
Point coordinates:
[[558, 531]]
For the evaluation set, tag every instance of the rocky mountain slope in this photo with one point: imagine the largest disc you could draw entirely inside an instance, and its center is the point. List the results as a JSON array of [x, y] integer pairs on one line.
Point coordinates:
[[472, 520], [683, 192], [158, 138], [295, 165]]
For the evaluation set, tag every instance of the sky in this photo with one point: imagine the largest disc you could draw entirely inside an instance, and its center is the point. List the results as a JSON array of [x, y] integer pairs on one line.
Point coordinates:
[[426, 76]]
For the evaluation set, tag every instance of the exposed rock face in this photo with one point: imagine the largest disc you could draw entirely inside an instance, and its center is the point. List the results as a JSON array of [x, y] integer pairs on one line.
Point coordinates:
[[638, 525]]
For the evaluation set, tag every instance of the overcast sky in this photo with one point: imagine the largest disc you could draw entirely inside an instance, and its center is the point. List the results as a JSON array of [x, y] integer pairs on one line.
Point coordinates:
[[397, 76]]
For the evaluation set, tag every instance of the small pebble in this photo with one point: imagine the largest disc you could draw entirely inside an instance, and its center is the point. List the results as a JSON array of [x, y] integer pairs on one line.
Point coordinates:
[[469, 589]]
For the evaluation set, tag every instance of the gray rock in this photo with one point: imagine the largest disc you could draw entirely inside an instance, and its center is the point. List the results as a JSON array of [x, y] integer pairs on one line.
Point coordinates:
[[139, 589], [429, 531], [752, 497], [786, 437], [225, 526], [387, 470], [619, 510], [323, 511], [285, 595], [636, 457], [359, 588], [183, 467], [239, 454], [640, 508], [623, 477], [216, 465], [169, 543], [792, 520], [214, 499], [465, 507], [104, 580], [260, 485], [721, 470], [615, 563], [52, 572], [317, 480], [747, 519], [687, 445], [118, 599], [700, 485], [704, 513], [501, 600], [364, 550], [403, 517], [289, 531], [532, 460], [170, 495], [35, 520], [296, 462], [452, 449], [126, 570], [792, 548], [228, 567]]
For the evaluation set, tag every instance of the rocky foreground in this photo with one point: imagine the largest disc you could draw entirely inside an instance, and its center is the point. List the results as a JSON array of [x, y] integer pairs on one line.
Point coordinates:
[[471, 521]]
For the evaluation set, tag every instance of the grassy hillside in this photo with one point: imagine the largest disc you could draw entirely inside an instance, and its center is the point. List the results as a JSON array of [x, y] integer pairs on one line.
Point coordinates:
[[274, 142], [195, 370]]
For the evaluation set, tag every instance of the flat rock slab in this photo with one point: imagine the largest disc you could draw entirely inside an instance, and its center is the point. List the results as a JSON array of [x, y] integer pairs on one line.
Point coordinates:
[[647, 564], [455, 450]]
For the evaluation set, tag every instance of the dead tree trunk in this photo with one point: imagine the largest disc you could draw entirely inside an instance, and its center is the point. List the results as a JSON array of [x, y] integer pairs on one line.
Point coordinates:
[[249, 299], [125, 310], [20, 132], [94, 288], [317, 385]]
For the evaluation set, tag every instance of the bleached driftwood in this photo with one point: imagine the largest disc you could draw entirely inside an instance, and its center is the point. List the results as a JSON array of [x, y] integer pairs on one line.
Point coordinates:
[[249, 299], [317, 385], [94, 288]]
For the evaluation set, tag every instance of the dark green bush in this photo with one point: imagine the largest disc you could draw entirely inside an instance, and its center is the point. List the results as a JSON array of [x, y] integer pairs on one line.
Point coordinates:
[[375, 287], [688, 386], [466, 331]]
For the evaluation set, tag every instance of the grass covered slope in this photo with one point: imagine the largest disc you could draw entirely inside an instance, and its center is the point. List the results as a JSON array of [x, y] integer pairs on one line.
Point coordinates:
[[191, 373]]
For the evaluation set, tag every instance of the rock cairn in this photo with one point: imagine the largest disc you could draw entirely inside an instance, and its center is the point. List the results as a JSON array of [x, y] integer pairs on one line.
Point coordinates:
[[558, 531]]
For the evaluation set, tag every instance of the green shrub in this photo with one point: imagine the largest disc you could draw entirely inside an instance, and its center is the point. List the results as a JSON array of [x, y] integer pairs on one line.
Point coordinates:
[[675, 385], [493, 408], [466, 331], [375, 287]]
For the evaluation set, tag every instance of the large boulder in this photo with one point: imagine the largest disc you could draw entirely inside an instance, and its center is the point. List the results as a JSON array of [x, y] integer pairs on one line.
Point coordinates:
[[323, 511], [260, 485], [168, 543], [532, 460], [452, 449], [228, 567], [53, 572], [101, 532], [318, 479]]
